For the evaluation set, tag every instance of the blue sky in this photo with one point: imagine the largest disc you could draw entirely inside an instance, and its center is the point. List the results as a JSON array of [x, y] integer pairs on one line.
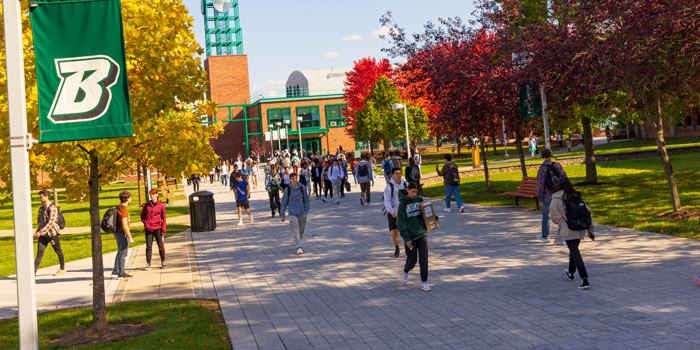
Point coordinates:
[[282, 36]]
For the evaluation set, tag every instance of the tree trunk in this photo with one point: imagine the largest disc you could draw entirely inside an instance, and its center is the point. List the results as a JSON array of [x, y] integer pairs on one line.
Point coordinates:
[[519, 146], [591, 170], [53, 184], [386, 146], [656, 121], [99, 310], [627, 130], [139, 182], [486, 166], [637, 132], [694, 119], [459, 145], [645, 134], [493, 140]]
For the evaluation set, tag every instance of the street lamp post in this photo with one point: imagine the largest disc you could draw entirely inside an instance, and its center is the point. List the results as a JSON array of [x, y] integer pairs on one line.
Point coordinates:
[[272, 147], [505, 137], [396, 106], [279, 137], [301, 143], [286, 133]]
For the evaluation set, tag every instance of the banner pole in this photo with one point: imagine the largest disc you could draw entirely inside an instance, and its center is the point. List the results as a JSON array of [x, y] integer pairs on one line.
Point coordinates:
[[20, 142]]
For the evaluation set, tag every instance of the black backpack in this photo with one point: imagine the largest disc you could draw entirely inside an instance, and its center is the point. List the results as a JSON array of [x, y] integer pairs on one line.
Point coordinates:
[[109, 220], [454, 175], [578, 218], [362, 170], [60, 220], [552, 179]]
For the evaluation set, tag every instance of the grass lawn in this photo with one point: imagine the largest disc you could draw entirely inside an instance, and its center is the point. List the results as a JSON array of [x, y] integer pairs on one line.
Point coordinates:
[[78, 214], [75, 247], [179, 324], [635, 194]]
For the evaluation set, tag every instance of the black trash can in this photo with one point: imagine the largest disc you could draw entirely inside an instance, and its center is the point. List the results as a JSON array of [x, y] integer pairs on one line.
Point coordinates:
[[202, 211], [396, 161]]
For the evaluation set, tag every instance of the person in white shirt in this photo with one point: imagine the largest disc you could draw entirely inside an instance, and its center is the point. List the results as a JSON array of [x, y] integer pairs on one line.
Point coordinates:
[[391, 205], [335, 175], [224, 173]]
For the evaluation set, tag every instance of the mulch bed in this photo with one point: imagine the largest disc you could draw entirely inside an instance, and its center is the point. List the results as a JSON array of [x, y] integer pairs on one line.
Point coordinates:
[[111, 333], [680, 215]]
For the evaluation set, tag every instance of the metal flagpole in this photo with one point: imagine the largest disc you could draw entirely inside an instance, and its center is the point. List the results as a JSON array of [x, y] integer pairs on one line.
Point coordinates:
[[20, 142], [545, 120]]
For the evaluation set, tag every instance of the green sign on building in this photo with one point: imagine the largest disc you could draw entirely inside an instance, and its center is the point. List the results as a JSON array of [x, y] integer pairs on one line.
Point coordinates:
[[530, 102], [81, 70]]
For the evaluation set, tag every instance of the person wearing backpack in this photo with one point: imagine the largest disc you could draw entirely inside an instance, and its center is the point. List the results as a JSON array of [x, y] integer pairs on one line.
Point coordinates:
[[122, 235], [363, 171], [296, 201], [391, 205], [414, 233], [450, 175], [387, 167], [272, 185], [412, 174], [336, 175], [575, 222], [153, 219], [549, 177], [48, 231]]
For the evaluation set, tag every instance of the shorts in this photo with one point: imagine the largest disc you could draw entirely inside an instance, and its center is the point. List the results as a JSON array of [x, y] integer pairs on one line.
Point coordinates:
[[392, 222], [242, 203]]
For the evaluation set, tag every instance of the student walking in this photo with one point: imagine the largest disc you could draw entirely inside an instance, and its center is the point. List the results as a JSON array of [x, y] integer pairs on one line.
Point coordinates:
[[316, 178], [335, 175], [48, 231], [561, 201], [295, 200], [533, 145], [153, 219], [363, 171], [391, 205], [242, 195], [450, 176], [224, 173], [122, 235], [549, 177], [414, 233], [194, 180], [387, 167], [327, 184], [343, 165], [412, 174], [272, 185]]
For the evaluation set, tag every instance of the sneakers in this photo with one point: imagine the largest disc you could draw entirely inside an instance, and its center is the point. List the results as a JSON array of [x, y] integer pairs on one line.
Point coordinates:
[[397, 252], [251, 219], [125, 275], [584, 284], [163, 265], [362, 201], [337, 202], [461, 209], [240, 222], [114, 275], [324, 200], [273, 214], [147, 268], [299, 251], [569, 276], [404, 279], [540, 238], [447, 210], [60, 272], [425, 287]]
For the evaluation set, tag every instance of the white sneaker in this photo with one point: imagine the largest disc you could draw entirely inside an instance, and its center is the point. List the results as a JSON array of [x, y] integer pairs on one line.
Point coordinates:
[[299, 251], [425, 287], [404, 279], [545, 240], [461, 209], [240, 222], [447, 210], [251, 220]]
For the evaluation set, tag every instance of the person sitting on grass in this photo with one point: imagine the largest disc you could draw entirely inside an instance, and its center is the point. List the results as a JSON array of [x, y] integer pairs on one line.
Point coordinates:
[[414, 233]]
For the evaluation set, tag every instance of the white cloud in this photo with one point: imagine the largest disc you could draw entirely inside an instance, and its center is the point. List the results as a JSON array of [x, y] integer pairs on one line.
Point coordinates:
[[330, 54], [381, 31], [354, 37], [269, 85]]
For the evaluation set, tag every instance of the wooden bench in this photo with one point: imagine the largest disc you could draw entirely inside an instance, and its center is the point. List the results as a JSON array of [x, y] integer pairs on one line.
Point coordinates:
[[526, 189], [167, 188]]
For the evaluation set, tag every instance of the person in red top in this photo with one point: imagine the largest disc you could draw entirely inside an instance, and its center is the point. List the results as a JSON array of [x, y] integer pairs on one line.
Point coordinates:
[[153, 218]]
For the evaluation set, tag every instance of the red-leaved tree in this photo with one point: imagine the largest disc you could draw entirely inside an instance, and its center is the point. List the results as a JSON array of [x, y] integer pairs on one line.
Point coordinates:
[[358, 85]]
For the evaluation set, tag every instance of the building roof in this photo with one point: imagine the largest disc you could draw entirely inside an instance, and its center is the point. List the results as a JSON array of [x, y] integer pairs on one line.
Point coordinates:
[[318, 81]]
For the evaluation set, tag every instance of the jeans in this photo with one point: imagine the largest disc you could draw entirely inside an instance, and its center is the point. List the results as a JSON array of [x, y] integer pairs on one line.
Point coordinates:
[[274, 200], [337, 188], [545, 216], [318, 187], [452, 190], [298, 224], [149, 245], [327, 186], [55, 244], [122, 250], [224, 179], [575, 259], [419, 252]]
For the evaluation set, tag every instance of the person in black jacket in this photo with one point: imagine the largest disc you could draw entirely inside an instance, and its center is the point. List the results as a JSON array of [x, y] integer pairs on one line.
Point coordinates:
[[412, 174], [316, 172]]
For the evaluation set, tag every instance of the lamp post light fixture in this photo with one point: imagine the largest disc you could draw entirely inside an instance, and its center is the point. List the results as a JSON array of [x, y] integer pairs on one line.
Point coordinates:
[[286, 133], [396, 106], [272, 147], [279, 136], [301, 142]]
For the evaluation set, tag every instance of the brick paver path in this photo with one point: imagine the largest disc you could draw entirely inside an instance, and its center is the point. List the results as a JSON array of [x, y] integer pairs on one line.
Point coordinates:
[[494, 286]]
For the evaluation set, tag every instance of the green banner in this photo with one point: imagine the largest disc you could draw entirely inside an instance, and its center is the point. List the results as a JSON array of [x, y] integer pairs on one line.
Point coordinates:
[[81, 70], [530, 102]]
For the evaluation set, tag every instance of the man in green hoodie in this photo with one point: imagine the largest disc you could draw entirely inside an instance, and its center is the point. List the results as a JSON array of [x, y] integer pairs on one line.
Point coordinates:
[[415, 235]]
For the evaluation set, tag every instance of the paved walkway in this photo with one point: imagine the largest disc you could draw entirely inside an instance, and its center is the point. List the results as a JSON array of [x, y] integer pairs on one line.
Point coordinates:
[[494, 285]]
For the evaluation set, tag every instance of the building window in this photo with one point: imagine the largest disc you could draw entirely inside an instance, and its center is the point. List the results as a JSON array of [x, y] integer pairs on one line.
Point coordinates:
[[275, 115], [334, 115], [311, 117]]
